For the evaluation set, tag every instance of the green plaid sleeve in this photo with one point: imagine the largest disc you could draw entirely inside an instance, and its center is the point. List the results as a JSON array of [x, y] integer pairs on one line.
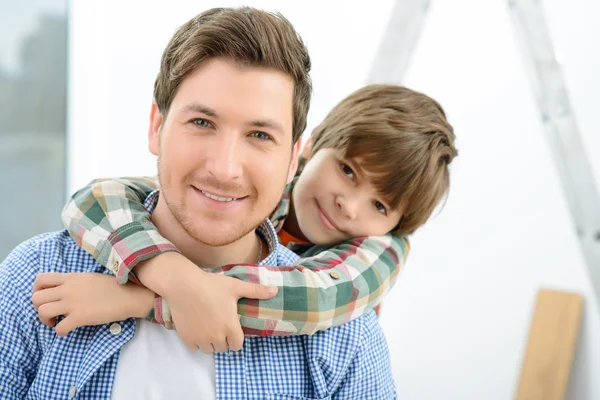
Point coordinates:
[[108, 220], [329, 287]]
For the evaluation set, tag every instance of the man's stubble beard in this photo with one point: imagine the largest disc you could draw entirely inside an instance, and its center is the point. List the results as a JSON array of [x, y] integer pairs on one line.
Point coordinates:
[[188, 225]]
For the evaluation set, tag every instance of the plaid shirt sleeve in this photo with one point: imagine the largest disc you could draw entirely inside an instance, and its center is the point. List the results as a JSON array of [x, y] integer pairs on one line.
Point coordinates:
[[108, 220], [327, 288]]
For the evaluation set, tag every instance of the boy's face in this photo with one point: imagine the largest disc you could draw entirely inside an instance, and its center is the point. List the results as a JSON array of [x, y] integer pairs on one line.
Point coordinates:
[[225, 149], [334, 200]]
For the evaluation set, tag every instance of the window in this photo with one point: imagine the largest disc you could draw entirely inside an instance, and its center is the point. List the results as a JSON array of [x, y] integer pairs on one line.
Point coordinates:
[[33, 71]]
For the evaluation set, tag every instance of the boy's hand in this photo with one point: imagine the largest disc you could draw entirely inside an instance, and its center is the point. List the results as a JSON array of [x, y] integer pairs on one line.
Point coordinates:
[[87, 299], [203, 305]]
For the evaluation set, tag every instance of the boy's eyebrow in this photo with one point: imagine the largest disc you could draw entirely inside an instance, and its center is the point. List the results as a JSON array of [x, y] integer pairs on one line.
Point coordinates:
[[357, 167], [363, 175]]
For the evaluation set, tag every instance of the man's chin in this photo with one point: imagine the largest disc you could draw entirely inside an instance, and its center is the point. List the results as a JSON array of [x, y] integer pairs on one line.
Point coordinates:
[[219, 240], [218, 237]]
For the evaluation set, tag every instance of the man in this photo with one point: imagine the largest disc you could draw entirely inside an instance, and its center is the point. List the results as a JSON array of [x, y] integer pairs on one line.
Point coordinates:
[[231, 100]]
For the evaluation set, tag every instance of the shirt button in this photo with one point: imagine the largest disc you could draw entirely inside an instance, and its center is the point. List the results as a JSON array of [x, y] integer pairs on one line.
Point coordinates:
[[72, 391], [115, 329], [116, 265], [334, 275]]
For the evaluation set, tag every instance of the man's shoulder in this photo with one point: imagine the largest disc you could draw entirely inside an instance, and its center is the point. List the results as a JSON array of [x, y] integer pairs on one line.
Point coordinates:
[[365, 325], [285, 256], [48, 252]]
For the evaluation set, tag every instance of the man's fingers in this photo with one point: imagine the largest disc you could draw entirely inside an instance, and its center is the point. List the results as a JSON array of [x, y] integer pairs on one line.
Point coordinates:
[[48, 280], [49, 311], [255, 291], [45, 296]]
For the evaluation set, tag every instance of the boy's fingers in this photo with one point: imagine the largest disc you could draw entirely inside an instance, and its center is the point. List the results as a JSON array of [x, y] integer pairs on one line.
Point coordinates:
[[220, 346], [235, 340], [49, 311], [206, 349], [45, 296], [256, 291], [65, 326], [47, 280]]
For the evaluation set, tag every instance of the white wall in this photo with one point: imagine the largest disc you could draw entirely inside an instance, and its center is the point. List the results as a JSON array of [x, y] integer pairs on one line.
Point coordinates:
[[458, 318]]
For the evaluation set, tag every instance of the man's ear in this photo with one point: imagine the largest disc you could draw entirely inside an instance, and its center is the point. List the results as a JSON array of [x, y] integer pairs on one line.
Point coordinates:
[[156, 121], [294, 162], [307, 149]]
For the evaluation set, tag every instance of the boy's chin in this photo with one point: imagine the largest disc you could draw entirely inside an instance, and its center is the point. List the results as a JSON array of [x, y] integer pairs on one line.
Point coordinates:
[[321, 239]]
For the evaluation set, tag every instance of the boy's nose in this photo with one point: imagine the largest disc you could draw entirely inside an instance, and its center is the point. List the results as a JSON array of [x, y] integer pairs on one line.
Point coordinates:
[[348, 206]]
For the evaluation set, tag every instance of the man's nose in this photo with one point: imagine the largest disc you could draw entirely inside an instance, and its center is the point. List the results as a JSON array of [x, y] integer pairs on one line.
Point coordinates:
[[225, 158]]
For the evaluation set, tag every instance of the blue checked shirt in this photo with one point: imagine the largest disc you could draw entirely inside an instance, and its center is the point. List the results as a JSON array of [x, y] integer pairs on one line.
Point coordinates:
[[350, 361]]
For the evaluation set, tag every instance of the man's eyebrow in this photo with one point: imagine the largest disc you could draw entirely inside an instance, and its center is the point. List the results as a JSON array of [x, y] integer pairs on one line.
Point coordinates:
[[199, 108], [267, 123]]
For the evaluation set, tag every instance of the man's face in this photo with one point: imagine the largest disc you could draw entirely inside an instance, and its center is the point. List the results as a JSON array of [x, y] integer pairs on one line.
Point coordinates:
[[225, 149], [334, 200]]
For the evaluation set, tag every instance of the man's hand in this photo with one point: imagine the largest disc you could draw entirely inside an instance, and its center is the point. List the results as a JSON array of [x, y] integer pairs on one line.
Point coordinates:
[[203, 305], [87, 299]]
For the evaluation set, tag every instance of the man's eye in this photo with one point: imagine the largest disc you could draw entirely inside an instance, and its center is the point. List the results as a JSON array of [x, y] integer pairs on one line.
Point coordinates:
[[347, 170], [202, 123], [380, 207], [261, 135]]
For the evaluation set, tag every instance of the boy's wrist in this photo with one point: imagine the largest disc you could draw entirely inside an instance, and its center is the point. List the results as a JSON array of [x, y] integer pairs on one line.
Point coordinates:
[[160, 273], [142, 300]]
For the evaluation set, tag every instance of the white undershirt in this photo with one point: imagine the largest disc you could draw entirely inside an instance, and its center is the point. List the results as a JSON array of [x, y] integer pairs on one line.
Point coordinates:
[[156, 365]]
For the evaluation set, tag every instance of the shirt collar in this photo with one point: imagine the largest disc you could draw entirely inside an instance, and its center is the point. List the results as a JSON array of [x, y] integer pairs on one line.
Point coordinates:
[[283, 208]]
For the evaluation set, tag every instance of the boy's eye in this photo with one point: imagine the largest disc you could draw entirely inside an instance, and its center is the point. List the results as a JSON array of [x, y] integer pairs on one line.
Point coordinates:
[[347, 170], [380, 207], [261, 135], [201, 122]]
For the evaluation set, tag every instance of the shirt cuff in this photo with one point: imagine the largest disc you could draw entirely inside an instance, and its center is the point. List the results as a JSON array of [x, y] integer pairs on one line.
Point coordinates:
[[129, 245], [161, 313]]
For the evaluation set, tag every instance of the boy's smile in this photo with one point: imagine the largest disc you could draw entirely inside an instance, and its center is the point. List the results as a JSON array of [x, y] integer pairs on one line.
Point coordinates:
[[326, 220]]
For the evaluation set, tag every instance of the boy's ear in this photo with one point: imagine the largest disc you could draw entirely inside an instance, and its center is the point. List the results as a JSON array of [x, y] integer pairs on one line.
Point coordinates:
[[307, 149], [156, 121], [294, 162]]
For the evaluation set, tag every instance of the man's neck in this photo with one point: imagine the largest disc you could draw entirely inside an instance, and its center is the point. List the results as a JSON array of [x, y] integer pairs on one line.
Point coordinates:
[[243, 251]]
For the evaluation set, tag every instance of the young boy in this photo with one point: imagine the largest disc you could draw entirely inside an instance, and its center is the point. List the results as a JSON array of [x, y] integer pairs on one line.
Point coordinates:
[[371, 173]]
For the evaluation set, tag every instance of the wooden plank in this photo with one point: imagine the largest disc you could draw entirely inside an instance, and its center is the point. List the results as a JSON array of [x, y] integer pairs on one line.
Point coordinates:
[[551, 346]]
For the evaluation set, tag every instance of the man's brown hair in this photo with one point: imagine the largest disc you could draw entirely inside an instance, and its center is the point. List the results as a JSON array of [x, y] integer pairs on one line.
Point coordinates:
[[245, 35], [401, 138]]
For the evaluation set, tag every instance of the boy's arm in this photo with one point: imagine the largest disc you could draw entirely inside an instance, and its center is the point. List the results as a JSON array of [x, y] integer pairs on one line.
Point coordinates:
[[328, 288], [107, 219]]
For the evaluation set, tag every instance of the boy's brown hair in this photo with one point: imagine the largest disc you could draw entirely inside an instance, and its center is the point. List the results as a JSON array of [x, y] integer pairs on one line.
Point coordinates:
[[248, 36], [402, 139]]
